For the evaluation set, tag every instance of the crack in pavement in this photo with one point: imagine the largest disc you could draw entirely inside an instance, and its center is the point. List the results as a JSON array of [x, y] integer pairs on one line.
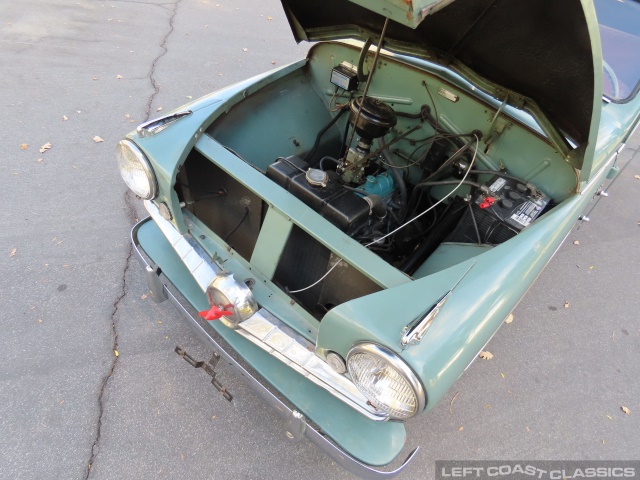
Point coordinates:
[[152, 71], [131, 213]]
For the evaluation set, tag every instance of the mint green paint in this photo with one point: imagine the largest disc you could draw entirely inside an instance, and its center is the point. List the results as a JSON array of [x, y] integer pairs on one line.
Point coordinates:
[[271, 242], [266, 293], [367, 262], [409, 13], [374, 443], [540, 162], [448, 255], [475, 310]]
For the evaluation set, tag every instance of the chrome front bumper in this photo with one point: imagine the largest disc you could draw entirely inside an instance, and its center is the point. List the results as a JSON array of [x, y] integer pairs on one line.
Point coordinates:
[[264, 329], [297, 426]]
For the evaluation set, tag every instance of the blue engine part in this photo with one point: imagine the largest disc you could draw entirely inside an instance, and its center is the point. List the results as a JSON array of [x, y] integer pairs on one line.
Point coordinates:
[[381, 185]]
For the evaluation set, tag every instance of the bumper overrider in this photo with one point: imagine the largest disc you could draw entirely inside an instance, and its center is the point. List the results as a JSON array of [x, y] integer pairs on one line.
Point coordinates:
[[161, 249]]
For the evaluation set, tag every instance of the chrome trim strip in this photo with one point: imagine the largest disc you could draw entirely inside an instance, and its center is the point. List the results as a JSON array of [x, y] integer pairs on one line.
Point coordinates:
[[322, 442], [270, 334], [265, 330], [156, 125], [187, 249]]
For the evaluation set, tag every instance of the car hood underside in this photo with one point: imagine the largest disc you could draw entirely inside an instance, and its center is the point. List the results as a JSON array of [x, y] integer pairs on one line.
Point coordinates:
[[541, 51]]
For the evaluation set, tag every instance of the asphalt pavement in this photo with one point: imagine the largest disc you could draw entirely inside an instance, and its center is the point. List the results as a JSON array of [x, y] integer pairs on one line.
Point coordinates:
[[89, 384]]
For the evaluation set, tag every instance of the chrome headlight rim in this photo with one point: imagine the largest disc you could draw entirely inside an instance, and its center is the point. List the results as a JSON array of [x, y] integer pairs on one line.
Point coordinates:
[[146, 168], [389, 356]]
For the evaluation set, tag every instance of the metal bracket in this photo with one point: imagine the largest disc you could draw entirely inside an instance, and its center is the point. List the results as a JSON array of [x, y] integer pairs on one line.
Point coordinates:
[[209, 368], [156, 289], [296, 425]]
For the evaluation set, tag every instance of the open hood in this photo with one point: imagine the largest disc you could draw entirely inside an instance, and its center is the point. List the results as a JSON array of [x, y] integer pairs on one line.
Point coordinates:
[[543, 54]]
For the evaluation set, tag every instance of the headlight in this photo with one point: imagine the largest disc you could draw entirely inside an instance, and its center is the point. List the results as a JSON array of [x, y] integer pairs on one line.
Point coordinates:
[[135, 170], [387, 382]]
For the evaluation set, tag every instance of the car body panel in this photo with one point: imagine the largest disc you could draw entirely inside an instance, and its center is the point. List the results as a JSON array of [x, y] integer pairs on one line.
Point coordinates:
[[377, 443], [243, 128], [532, 53]]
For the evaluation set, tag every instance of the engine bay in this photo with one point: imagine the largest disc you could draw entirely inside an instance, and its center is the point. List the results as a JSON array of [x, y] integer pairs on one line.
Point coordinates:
[[414, 168]]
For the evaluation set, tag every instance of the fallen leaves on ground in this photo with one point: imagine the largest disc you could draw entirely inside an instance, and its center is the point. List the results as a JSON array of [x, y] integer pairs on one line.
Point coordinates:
[[502, 374], [576, 242], [13, 252], [115, 352], [97, 139], [566, 304], [637, 177], [119, 77], [269, 18], [625, 410], [451, 402], [65, 118], [45, 147], [24, 146], [486, 355], [460, 428], [609, 417], [143, 296], [509, 319]]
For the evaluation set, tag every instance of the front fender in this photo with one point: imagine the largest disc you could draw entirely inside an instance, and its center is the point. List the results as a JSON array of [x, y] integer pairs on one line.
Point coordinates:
[[493, 284]]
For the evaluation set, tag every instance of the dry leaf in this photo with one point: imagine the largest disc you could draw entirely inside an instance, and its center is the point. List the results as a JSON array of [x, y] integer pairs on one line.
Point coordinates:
[[269, 18], [591, 267], [451, 402], [502, 374], [576, 242], [23, 146], [509, 319], [45, 147], [97, 139], [159, 322], [566, 304], [115, 352], [609, 417], [603, 441], [94, 78], [460, 428], [143, 296], [637, 177], [126, 115], [39, 160], [39, 320], [625, 410], [486, 355], [13, 252], [245, 49], [119, 77], [65, 118], [159, 109], [487, 406]]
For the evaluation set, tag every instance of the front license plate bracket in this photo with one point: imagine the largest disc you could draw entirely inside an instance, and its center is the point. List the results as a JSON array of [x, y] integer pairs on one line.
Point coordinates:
[[209, 368]]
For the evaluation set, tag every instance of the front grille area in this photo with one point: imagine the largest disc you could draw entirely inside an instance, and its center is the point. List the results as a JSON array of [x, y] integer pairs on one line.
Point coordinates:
[[236, 215], [228, 208]]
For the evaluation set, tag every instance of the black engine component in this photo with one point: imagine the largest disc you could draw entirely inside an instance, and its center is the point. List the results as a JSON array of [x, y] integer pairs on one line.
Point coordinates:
[[496, 217], [342, 207], [375, 119]]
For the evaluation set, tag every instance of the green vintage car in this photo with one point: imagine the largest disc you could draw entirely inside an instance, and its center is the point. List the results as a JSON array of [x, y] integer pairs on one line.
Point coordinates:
[[350, 230]]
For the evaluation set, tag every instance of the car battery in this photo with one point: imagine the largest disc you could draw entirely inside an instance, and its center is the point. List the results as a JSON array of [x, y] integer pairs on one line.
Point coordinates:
[[500, 212]]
